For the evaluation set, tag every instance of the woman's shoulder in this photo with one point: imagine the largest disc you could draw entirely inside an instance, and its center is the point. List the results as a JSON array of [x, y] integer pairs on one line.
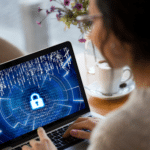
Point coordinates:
[[127, 125], [136, 106]]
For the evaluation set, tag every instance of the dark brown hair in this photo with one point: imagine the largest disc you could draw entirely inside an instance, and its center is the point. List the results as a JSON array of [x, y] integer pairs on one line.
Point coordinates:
[[129, 20]]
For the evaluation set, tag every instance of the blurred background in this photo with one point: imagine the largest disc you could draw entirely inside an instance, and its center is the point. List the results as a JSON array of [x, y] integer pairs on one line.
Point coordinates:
[[18, 26]]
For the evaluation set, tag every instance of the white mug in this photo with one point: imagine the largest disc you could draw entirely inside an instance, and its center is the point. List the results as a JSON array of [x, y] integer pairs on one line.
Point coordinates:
[[107, 84]]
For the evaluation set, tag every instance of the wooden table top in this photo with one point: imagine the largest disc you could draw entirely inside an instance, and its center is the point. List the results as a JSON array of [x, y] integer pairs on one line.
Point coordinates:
[[103, 107]]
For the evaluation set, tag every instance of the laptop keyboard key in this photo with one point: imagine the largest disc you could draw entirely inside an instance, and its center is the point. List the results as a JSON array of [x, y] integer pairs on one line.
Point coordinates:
[[61, 130], [58, 145], [57, 137], [50, 135], [66, 127], [61, 133], [55, 134], [63, 143], [55, 141]]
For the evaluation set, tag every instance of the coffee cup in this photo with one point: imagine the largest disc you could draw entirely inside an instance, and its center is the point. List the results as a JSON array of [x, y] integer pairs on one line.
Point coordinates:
[[109, 79]]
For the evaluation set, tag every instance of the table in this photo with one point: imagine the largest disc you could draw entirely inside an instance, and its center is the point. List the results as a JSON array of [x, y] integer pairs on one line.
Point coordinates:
[[103, 107]]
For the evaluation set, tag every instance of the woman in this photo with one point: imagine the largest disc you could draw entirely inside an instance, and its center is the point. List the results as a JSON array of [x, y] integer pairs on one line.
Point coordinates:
[[122, 36]]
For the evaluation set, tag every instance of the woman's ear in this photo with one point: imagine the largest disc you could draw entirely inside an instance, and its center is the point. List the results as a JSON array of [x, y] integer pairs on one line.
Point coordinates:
[[117, 52]]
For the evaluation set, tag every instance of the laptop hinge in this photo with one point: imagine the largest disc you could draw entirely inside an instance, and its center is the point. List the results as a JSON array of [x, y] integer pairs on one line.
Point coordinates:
[[8, 148]]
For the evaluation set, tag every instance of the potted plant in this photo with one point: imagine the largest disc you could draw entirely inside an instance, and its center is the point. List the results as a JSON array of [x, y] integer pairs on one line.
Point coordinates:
[[68, 12]]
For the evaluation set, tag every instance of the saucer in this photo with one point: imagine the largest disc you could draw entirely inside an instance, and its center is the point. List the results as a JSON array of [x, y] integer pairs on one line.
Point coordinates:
[[124, 89]]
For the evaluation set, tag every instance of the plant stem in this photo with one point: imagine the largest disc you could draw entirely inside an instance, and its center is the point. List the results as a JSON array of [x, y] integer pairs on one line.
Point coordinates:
[[61, 9], [43, 19], [58, 2]]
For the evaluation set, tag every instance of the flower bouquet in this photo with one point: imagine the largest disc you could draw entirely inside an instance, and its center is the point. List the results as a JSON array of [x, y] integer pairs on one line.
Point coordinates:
[[68, 13]]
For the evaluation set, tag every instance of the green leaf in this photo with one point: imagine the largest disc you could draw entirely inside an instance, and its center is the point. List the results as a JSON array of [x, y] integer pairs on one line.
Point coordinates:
[[74, 23], [73, 4], [63, 19], [80, 1]]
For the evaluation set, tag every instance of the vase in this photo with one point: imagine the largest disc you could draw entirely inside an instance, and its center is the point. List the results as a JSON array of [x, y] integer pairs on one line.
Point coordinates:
[[92, 55]]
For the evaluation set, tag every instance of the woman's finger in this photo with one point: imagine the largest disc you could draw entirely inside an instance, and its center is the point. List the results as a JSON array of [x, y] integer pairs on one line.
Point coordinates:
[[79, 120], [82, 119], [42, 134], [88, 123], [34, 143], [81, 125], [25, 147], [80, 134], [45, 139]]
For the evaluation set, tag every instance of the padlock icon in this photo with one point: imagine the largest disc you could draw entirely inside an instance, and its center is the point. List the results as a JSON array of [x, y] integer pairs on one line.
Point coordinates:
[[36, 102]]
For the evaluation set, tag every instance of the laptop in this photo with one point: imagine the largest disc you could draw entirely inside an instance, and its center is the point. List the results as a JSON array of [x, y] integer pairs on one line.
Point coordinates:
[[42, 89]]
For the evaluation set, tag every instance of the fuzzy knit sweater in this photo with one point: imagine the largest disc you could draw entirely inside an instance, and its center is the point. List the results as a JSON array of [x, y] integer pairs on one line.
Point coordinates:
[[127, 128]]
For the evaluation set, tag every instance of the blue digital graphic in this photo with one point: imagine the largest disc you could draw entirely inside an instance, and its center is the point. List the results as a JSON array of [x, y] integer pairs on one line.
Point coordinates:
[[38, 92]]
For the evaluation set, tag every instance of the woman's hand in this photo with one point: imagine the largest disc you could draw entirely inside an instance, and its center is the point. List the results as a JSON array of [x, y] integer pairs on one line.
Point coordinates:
[[75, 129], [44, 144]]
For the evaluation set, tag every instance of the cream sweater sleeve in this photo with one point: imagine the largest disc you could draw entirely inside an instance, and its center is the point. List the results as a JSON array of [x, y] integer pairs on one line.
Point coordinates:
[[128, 128]]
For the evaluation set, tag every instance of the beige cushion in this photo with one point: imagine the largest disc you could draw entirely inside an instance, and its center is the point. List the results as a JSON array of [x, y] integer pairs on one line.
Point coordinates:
[[8, 51]]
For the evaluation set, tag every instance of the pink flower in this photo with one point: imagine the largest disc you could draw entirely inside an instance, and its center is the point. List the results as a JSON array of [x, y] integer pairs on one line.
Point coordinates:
[[50, 0], [47, 12], [66, 2], [58, 17], [39, 23], [39, 9], [52, 8], [59, 12], [78, 6], [82, 40]]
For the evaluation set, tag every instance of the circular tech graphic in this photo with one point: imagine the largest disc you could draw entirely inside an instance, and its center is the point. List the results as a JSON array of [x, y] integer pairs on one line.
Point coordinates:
[[17, 108]]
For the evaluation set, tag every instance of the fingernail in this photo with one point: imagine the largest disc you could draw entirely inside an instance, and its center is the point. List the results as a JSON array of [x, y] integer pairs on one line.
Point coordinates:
[[74, 132], [39, 128]]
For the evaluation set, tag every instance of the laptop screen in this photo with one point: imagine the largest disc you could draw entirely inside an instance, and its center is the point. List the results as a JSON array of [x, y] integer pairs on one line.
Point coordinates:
[[37, 92]]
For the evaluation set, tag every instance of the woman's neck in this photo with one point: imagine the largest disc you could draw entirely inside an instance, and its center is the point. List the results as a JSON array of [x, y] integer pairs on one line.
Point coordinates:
[[142, 77]]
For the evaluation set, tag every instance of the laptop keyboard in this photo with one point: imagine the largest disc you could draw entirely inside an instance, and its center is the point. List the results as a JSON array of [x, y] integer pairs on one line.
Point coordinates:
[[58, 140]]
